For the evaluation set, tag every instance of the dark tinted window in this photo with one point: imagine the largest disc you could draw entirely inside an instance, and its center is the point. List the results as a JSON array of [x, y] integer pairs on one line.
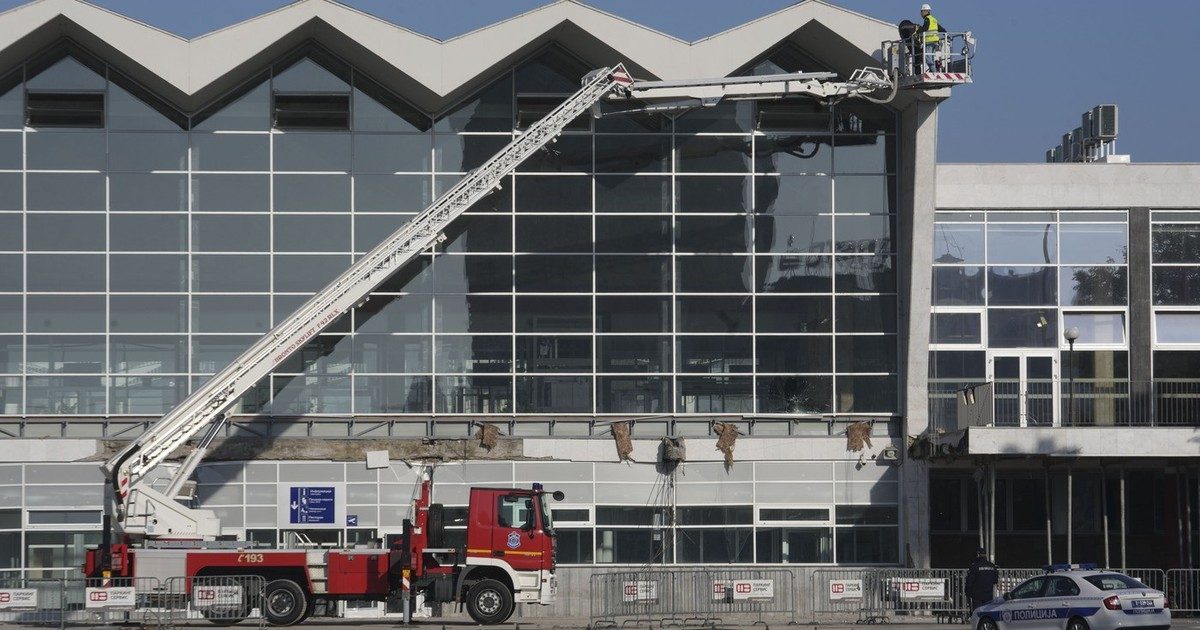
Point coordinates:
[[57, 109], [312, 111]]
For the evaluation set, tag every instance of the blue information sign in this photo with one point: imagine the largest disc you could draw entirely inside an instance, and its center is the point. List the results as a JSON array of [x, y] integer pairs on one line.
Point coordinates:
[[314, 506]]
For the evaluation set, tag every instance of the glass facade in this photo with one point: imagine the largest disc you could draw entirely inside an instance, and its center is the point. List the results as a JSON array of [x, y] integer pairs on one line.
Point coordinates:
[[733, 260], [1005, 286]]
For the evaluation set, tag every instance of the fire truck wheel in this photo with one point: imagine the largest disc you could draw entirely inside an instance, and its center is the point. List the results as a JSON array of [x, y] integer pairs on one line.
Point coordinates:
[[284, 603], [489, 602]]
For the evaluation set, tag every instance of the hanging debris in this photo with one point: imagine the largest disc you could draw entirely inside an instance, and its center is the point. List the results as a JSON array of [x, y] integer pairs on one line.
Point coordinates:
[[728, 433], [858, 436], [673, 452], [488, 434], [620, 431]]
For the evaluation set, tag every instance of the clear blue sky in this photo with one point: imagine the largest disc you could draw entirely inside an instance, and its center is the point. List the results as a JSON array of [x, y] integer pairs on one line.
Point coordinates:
[[1040, 62]]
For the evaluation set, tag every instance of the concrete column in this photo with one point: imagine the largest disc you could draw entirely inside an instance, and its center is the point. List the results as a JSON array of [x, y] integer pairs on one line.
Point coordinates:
[[918, 178], [1141, 315]]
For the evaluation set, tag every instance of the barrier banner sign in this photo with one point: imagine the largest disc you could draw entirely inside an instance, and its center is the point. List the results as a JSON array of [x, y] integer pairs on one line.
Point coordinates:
[[845, 589], [744, 590], [640, 591], [18, 599], [111, 598], [922, 589], [217, 596]]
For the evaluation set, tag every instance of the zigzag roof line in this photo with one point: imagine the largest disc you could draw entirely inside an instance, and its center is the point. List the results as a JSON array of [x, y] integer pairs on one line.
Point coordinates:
[[432, 72]]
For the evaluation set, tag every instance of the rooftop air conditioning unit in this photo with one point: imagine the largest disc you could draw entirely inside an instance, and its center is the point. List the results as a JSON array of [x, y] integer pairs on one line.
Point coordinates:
[[1085, 123], [1104, 121]]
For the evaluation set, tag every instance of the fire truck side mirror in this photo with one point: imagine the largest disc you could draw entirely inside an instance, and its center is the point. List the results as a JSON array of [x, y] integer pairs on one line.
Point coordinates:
[[559, 495]]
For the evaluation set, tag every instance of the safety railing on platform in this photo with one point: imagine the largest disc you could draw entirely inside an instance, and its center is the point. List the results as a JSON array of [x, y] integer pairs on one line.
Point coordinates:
[[147, 602]]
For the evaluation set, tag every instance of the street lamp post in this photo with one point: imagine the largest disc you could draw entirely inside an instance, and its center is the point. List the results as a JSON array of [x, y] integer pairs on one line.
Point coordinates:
[[1071, 334]]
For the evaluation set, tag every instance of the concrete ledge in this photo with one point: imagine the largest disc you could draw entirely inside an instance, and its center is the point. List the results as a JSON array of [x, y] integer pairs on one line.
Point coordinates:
[[1085, 441]]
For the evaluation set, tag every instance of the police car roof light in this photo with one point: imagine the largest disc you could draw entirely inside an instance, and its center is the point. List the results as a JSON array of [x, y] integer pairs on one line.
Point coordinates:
[[537, 486], [1083, 566]]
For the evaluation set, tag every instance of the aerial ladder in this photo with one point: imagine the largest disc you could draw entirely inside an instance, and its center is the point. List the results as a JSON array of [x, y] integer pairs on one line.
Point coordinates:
[[142, 510]]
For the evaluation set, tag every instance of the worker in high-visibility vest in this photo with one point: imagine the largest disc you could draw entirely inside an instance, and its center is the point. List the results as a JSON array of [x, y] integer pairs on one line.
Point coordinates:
[[930, 33]]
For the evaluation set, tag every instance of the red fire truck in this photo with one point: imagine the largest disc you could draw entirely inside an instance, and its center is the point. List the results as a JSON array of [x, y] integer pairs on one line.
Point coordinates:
[[508, 559]]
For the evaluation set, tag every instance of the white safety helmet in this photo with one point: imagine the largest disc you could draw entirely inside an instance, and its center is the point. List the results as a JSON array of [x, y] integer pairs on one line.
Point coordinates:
[[926, 7]]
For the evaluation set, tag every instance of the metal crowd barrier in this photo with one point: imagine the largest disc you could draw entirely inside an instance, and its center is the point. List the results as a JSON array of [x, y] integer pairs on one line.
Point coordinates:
[[147, 602], [847, 595], [1183, 590], [937, 592], [692, 597]]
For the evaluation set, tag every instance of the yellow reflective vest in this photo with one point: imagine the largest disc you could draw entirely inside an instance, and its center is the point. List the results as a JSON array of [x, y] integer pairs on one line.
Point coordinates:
[[931, 35]]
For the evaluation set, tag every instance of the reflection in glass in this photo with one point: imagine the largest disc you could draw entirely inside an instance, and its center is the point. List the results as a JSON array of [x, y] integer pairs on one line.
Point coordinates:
[[1176, 286], [864, 154], [230, 193], [1098, 328], [64, 354], [1176, 327], [151, 395], [715, 394], [634, 394], [231, 152], [64, 232], [873, 194], [541, 193], [476, 354], [147, 354], [474, 394], [488, 110], [392, 394], [149, 151], [793, 545], [866, 353], [715, 354], [1094, 243], [958, 286], [545, 353], [63, 313], [301, 395], [793, 154], [796, 194], [958, 243], [147, 233], [794, 274], [235, 273], [863, 234], [399, 313], [64, 395], [1094, 286], [865, 274], [1022, 286], [865, 313], [1017, 243], [633, 354], [1175, 243], [956, 328], [554, 394], [64, 272], [147, 313], [312, 193], [1022, 328]]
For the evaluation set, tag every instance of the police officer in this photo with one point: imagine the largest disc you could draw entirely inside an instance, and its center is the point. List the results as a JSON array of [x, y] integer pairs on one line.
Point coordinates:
[[929, 33], [982, 577]]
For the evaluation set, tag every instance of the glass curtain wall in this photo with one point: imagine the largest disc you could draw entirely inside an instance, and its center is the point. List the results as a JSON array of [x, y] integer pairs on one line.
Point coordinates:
[[737, 259], [1010, 282]]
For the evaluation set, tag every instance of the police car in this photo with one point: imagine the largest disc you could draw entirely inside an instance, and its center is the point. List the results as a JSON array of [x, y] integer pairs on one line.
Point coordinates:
[[1076, 597]]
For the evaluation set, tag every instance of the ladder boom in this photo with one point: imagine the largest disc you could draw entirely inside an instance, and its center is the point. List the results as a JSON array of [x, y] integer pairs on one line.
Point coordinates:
[[140, 509], [209, 402]]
